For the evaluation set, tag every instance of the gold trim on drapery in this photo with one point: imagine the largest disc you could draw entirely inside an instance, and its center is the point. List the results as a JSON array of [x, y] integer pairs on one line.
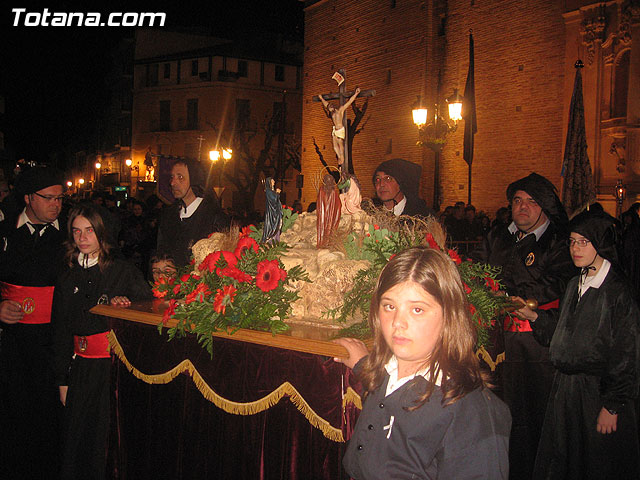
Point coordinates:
[[484, 355], [237, 408]]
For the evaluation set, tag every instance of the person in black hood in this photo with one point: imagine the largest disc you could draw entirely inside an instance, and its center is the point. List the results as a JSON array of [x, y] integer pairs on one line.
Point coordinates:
[[590, 428], [192, 217], [397, 182], [535, 264]]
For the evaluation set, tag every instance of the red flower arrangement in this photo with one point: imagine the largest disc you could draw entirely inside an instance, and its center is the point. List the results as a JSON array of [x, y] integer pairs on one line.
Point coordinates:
[[251, 280]]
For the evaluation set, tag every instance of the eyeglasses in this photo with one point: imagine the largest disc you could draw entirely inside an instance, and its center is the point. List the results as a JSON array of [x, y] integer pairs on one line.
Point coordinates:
[[51, 198], [383, 179], [581, 243]]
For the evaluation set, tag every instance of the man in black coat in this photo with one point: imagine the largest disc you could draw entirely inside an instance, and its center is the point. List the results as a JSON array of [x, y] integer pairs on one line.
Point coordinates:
[[534, 257], [397, 183], [192, 217], [31, 258]]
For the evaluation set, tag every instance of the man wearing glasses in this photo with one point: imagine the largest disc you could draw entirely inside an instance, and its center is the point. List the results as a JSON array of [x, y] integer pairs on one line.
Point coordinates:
[[397, 183], [31, 258], [533, 255]]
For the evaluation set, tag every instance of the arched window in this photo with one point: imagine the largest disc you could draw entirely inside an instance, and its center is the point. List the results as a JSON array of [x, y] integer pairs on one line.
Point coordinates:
[[621, 85]]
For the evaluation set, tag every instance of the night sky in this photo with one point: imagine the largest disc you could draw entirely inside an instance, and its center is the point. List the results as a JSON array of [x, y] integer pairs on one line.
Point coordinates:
[[52, 78]]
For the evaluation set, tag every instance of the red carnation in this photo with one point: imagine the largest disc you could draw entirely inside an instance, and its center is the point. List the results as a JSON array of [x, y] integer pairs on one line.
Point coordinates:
[[246, 230], [376, 227], [492, 284], [168, 313], [431, 241], [198, 294], [472, 309], [224, 297], [185, 277], [268, 275], [157, 292], [210, 262], [244, 244], [176, 289], [467, 288], [455, 257], [235, 273]]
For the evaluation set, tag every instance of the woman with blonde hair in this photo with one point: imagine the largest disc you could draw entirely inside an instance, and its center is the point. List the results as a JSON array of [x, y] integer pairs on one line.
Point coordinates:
[[428, 412]]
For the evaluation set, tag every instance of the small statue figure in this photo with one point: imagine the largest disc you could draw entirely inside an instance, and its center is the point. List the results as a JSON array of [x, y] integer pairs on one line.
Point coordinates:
[[338, 131], [350, 196], [328, 210], [273, 212]]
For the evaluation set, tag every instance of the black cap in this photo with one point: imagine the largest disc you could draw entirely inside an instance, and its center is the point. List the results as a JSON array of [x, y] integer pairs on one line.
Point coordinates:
[[406, 173], [599, 228], [197, 177], [37, 178], [544, 193]]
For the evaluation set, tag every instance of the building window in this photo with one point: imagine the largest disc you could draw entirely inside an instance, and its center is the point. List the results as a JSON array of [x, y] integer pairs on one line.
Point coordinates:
[[165, 115], [167, 70], [621, 85], [279, 73], [194, 68], [243, 113], [243, 69], [192, 114], [152, 75]]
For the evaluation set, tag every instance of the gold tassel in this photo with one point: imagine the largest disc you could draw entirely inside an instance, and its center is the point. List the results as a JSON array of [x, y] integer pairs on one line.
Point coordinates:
[[236, 408], [352, 397], [484, 355]]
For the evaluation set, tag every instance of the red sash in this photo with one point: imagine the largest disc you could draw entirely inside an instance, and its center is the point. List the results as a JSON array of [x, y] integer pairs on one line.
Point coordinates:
[[35, 301], [92, 346], [515, 324]]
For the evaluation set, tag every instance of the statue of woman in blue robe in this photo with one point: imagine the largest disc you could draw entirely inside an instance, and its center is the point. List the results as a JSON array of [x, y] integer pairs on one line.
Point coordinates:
[[273, 212]]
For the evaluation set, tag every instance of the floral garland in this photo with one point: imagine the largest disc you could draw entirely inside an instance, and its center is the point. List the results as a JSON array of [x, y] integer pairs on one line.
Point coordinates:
[[482, 287], [246, 288]]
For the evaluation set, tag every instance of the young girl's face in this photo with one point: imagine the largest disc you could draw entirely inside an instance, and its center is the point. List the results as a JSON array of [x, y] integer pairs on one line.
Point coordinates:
[[84, 237], [411, 322]]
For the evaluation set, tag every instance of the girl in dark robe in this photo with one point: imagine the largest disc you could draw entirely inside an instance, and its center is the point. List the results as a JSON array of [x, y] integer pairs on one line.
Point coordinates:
[[427, 412], [590, 428], [82, 359], [273, 212]]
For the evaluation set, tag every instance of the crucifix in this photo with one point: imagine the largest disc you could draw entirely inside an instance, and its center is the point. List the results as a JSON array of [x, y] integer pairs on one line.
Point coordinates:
[[339, 133]]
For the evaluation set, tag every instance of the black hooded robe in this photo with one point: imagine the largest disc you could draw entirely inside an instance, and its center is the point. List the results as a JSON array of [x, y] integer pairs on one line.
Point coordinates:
[[596, 351]]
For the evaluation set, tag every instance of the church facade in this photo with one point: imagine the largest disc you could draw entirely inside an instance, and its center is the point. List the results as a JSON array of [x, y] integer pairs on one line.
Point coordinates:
[[524, 76]]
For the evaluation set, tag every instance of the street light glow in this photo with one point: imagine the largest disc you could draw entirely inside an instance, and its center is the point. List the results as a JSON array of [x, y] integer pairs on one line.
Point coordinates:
[[98, 165], [214, 155], [128, 162], [81, 181]]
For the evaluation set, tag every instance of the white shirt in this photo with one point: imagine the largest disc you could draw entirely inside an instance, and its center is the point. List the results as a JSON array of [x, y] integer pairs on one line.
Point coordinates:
[[191, 208], [538, 232], [594, 281], [398, 207], [24, 219], [395, 383]]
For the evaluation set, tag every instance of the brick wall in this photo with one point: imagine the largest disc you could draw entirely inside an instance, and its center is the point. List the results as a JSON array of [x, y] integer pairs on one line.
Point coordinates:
[[519, 69]]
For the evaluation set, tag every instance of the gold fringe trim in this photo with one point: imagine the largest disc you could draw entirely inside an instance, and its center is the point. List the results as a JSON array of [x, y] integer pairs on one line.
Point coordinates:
[[352, 397], [484, 355], [236, 408]]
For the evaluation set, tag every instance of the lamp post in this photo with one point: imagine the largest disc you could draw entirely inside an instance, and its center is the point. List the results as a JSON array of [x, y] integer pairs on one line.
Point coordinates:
[[221, 155], [621, 194], [436, 132]]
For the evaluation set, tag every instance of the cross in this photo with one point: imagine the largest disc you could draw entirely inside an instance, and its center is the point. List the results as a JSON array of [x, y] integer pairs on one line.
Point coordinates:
[[342, 96]]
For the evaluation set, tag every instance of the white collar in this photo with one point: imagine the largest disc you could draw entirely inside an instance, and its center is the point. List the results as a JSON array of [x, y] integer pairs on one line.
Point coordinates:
[[191, 208], [24, 219], [596, 280], [86, 262], [398, 208], [395, 383], [538, 232]]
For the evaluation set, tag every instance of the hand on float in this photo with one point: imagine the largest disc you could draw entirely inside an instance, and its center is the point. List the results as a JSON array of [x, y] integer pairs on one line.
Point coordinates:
[[607, 423], [120, 302], [356, 348], [10, 312], [525, 309]]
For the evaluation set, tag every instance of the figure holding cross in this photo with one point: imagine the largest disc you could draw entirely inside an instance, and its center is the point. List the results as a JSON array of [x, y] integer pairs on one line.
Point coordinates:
[[338, 133]]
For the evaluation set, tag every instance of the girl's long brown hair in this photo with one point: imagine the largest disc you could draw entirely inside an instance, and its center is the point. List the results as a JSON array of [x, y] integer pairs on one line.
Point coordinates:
[[454, 354], [95, 219]]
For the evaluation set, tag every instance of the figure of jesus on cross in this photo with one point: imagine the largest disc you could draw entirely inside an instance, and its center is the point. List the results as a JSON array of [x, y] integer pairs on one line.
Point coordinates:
[[339, 133]]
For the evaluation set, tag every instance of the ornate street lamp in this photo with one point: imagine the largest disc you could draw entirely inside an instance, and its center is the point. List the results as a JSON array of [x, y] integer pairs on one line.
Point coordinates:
[[621, 194]]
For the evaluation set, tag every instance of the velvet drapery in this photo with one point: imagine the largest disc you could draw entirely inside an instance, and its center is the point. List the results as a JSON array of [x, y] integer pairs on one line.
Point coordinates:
[[172, 431]]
